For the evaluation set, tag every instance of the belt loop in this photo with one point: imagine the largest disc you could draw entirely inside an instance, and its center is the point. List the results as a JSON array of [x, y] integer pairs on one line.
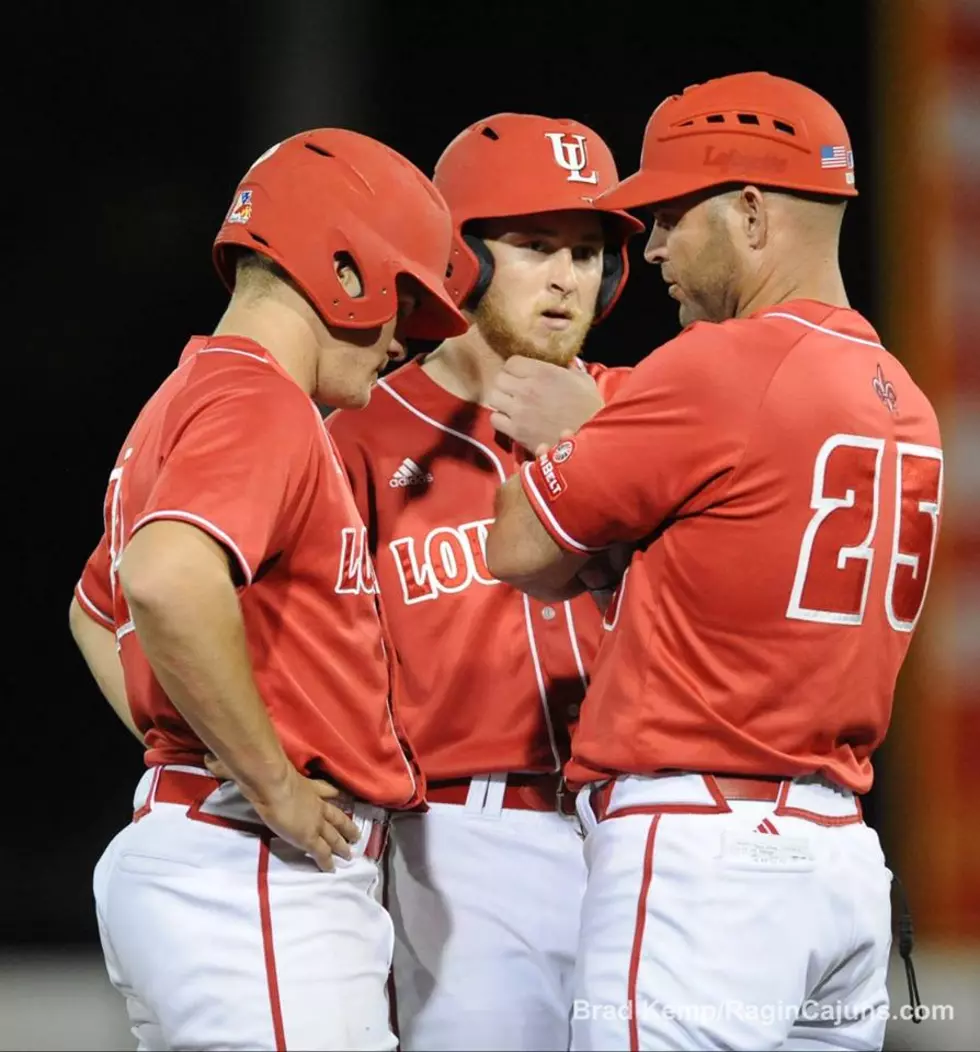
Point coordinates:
[[477, 793], [494, 803], [586, 808], [377, 838], [486, 794], [147, 805]]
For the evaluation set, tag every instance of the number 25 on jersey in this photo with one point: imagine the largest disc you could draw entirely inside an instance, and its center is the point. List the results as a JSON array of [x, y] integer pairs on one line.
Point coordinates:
[[842, 540]]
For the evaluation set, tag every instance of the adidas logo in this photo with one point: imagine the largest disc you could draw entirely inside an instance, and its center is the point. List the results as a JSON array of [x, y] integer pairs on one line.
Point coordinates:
[[409, 474]]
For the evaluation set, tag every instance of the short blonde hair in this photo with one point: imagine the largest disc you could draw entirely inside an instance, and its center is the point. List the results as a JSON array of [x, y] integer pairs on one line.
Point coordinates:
[[255, 274]]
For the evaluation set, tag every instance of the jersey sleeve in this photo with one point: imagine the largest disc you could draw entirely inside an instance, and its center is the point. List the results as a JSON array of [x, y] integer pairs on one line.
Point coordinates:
[[94, 588], [238, 464], [609, 380], [666, 444]]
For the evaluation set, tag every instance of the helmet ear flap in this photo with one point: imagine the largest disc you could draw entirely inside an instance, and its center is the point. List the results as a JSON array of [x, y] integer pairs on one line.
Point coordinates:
[[612, 276], [613, 272], [485, 259]]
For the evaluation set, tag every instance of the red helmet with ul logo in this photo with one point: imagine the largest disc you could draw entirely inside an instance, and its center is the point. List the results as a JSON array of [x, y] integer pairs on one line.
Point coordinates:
[[514, 164]]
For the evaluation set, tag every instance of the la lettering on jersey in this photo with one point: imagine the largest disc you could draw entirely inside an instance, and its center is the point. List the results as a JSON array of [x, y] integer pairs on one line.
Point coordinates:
[[782, 476], [493, 679], [230, 445]]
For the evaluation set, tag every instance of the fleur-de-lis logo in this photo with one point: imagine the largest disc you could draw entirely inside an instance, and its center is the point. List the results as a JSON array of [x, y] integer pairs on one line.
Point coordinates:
[[885, 390]]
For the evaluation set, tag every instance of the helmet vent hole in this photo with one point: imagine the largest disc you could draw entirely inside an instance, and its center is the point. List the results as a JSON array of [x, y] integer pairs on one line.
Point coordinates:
[[784, 127], [748, 118], [716, 118], [256, 237], [686, 124], [317, 149], [490, 134]]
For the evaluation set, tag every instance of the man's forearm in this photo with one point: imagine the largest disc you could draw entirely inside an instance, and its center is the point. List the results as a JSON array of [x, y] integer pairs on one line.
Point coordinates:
[[520, 552], [188, 620], [98, 647]]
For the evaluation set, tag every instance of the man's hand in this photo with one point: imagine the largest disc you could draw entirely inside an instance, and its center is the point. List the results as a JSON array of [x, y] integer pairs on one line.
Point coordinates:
[[534, 402], [603, 573], [188, 618], [299, 810]]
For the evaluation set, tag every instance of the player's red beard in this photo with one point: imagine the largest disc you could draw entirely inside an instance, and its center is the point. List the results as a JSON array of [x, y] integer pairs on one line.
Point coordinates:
[[503, 336]]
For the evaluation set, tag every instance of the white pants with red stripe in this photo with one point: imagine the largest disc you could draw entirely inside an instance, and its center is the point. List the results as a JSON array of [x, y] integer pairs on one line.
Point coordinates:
[[221, 938], [750, 928], [486, 906]]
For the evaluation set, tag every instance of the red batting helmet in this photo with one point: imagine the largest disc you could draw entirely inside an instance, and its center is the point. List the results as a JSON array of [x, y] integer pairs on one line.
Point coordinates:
[[514, 164], [746, 128], [329, 193]]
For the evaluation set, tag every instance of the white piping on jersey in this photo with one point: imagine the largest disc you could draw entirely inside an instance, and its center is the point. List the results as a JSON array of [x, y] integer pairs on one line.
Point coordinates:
[[494, 459], [539, 676], [196, 520], [389, 707], [579, 664], [539, 500], [334, 457], [821, 328], [91, 606], [124, 630], [232, 350]]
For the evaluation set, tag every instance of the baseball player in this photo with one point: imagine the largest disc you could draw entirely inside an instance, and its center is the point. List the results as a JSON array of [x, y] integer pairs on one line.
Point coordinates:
[[781, 477], [485, 888], [241, 912]]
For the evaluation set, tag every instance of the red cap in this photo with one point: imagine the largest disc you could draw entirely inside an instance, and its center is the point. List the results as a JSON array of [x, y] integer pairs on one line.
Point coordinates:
[[745, 128]]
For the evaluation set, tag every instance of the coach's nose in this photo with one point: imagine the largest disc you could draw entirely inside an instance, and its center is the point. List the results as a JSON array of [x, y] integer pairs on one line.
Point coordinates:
[[656, 248]]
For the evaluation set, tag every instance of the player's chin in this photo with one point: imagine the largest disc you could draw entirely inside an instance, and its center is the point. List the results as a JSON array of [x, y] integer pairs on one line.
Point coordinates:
[[554, 352], [360, 398], [350, 396], [688, 315]]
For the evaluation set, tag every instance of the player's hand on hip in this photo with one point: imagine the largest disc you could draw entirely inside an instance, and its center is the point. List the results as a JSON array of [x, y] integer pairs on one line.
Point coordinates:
[[533, 402], [300, 811]]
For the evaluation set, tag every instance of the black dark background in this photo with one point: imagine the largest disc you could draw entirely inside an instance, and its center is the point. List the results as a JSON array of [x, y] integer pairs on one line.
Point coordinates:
[[128, 132]]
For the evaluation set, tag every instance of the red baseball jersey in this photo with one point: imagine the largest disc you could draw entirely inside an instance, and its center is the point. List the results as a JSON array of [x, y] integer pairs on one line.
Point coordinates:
[[781, 475], [230, 444], [492, 678]]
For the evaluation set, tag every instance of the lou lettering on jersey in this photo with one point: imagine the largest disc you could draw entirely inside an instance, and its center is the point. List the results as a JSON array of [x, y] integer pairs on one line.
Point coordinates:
[[447, 560], [356, 569]]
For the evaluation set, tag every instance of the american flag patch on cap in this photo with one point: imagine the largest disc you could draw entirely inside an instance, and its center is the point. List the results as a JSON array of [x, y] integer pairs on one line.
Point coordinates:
[[836, 157]]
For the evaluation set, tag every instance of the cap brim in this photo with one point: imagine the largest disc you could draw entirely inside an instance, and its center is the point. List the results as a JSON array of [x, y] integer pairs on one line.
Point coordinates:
[[626, 224], [647, 187], [437, 317], [651, 187]]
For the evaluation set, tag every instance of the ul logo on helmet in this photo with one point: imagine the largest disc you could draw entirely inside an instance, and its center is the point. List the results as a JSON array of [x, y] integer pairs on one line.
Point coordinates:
[[572, 157]]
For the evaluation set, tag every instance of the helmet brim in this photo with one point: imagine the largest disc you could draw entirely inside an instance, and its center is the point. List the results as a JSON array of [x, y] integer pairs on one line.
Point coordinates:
[[437, 317]]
